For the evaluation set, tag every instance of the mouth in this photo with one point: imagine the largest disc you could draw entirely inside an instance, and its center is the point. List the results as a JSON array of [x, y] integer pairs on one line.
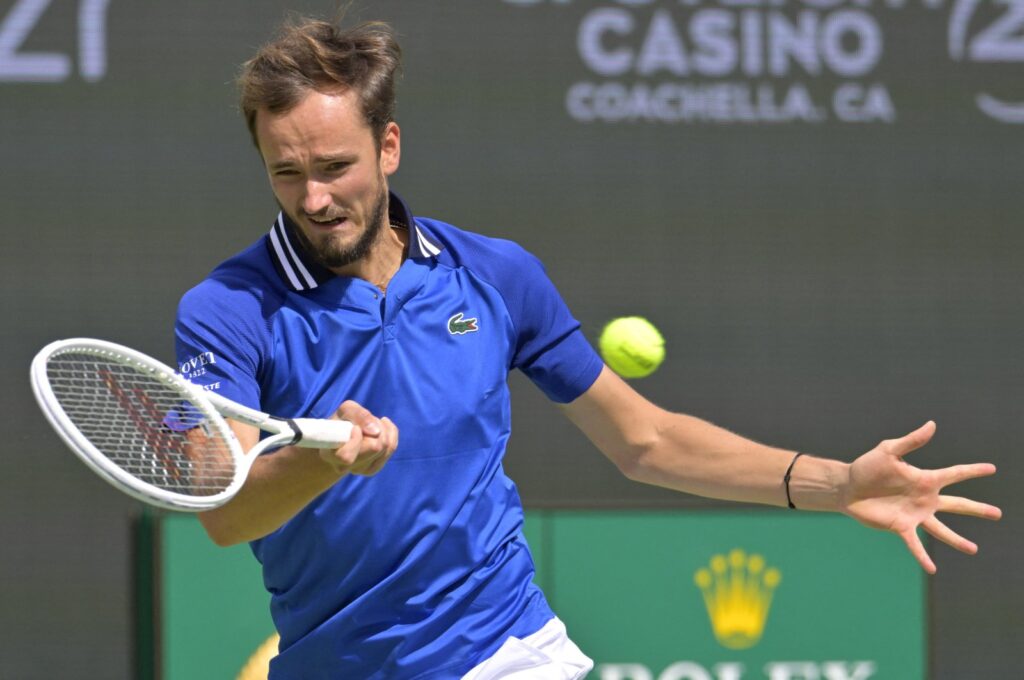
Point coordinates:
[[325, 222]]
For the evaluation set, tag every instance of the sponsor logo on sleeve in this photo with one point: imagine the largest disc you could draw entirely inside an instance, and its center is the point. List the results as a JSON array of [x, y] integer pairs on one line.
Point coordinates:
[[196, 367]]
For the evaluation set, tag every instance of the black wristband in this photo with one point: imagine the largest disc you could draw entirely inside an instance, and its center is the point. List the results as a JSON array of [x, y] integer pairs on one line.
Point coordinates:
[[789, 472]]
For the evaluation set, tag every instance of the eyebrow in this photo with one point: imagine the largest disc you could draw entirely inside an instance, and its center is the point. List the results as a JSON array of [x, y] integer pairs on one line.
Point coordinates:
[[328, 158]]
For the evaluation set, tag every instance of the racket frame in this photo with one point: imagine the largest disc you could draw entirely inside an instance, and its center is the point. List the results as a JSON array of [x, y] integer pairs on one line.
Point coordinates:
[[210, 405]]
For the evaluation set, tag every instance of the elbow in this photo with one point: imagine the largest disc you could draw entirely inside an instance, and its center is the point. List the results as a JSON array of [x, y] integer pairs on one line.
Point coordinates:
[[634, 468], [223, 540], [636, 461], [630, 468], [639, 452], [222, 534]]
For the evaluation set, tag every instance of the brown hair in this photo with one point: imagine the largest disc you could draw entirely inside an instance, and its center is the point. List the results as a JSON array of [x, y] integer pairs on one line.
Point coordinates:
[[318, 55]]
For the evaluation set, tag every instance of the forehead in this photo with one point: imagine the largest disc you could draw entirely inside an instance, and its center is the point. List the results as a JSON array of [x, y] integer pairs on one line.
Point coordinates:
[[320, 120]]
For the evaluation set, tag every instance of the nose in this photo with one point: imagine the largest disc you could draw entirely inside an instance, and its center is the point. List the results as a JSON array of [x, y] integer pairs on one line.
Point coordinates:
[[316, 198]]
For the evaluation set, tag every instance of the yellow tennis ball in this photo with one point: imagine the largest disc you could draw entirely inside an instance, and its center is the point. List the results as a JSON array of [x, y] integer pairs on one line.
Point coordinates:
[[632, 346]]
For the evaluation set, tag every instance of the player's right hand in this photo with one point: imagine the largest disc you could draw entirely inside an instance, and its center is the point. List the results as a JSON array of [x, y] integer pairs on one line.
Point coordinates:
[[370, 445]]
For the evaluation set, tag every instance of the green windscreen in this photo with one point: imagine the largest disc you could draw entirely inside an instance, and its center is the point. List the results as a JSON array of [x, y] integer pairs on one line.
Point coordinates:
[[674, 595]]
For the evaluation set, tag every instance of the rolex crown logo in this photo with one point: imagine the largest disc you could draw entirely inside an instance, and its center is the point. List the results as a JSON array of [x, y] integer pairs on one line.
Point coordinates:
[[737, 592]]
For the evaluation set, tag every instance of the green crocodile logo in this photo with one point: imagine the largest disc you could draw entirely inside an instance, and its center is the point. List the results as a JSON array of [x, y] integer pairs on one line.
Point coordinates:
[[459, 326]]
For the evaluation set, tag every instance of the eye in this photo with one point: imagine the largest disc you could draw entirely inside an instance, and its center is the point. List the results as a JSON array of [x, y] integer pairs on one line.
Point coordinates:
[[336, 166], [286, 172]]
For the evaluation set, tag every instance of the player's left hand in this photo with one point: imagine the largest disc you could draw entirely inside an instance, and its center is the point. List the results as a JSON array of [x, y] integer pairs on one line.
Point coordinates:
[[885, 492]]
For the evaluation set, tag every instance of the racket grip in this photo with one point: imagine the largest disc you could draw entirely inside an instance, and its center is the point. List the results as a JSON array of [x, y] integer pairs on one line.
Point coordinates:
[[322, 434]]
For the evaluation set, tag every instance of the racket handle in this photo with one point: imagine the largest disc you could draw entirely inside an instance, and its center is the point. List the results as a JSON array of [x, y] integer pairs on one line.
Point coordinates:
[[323, 434]]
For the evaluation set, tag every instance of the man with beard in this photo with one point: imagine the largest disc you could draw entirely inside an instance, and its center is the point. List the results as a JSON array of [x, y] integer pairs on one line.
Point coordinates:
[[407, 560]]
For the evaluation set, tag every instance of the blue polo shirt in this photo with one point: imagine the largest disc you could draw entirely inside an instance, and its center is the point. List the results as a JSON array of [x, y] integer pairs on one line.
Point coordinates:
[[420, 571]]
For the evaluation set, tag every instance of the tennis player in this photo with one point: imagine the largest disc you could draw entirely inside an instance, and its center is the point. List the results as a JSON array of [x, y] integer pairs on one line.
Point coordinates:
[[401, 554]]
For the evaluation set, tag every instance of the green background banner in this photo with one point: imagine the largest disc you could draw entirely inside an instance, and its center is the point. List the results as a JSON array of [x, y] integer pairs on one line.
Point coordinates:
[[849, 604]]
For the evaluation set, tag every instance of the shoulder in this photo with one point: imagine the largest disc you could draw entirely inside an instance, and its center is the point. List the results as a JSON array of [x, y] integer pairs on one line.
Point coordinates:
[[530, 296], [499, 261], [245, 285]]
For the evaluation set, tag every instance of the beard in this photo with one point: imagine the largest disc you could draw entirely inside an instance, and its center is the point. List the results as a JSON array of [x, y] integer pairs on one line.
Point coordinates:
[[331, 255]]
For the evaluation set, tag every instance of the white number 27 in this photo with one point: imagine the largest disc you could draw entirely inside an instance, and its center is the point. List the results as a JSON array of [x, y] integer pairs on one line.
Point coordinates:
[[50, 67]]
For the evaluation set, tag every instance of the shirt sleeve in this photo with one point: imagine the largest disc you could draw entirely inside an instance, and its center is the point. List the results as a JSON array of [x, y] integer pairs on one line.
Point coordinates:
[[550, 346], [219, 336]]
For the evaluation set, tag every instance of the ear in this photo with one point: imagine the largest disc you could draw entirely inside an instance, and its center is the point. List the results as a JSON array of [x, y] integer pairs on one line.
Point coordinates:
[[390, 149]]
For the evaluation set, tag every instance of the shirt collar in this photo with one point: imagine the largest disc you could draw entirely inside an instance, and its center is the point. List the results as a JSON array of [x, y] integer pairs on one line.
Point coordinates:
[[300, 271]]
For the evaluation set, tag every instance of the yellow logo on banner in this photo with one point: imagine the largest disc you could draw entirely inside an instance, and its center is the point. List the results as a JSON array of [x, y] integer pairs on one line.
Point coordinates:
[[738, 594]]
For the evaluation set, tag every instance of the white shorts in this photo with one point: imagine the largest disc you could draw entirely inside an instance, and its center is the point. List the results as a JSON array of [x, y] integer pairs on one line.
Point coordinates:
[[548, 654]]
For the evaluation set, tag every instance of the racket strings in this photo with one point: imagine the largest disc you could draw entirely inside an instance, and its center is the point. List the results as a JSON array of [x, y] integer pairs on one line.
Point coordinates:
[[146, 427]]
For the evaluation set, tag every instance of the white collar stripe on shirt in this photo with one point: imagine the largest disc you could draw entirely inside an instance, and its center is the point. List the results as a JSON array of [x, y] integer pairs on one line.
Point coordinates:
[[428, 248], [279, 226], [282, 260]]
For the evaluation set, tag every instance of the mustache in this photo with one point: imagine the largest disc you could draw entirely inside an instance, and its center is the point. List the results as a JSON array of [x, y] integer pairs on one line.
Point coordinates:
[[328, 213]]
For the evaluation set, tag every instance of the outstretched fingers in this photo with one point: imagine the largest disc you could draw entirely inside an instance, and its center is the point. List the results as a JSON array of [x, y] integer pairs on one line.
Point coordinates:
[[940, 531], [961, 473], [916, 547], [914, 440], [914, 495], [965, 506]]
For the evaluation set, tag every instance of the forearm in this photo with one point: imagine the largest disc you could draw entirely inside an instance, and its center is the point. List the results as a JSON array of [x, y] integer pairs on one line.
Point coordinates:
[[879, 489], [692, 455], [687, 454], [278, 487]]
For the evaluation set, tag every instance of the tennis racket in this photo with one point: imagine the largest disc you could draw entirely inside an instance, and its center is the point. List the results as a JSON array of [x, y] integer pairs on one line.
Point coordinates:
[[153, 434]]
